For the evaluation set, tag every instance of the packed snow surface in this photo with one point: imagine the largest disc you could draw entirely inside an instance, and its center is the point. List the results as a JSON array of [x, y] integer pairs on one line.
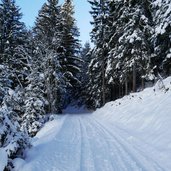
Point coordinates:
[[130, 134]]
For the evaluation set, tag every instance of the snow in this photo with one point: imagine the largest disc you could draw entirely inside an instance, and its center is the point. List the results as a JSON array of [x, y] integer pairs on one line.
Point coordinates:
[[3, 159], [163, 14], [130, 134], [47, 133], [2, 66], [168, 55], [18, 163]]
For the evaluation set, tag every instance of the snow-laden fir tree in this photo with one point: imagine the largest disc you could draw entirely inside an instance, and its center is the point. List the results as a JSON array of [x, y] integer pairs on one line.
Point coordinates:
[[48, 36], [5, 81], [83, 77], [130, 48], [122, 33], [113, 66], [12, 139], [71, 62], [162, 37], [94, 87], [48, 25], [12, 35], [13, 71], [97, 86], [35, 103]]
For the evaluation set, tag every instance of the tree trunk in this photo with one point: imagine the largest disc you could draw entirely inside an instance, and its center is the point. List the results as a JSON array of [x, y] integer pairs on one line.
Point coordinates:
[[119, 90], [134, 78], [103, 62], [123, 90], [142, 83], [126, 86], [112, 93], [103, 84]]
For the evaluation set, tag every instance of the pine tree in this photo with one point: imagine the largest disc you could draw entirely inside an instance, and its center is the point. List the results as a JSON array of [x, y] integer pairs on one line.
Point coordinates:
[[48, 25], [48, 38], [71, 62], [99, 53], [5, 82], [162, 37], [83, 77], [114, 62], [12, 37], [86, 57], [94, 87], [35, 103], [12, 34], [12, 139], [14, 59], [122, 32], [130, 47]]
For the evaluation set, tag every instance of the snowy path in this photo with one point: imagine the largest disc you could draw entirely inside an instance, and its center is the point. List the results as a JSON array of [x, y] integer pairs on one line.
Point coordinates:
[[85, 143]]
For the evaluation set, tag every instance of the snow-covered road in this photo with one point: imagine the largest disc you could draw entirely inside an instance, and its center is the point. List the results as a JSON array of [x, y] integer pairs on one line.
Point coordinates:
[[130, 134], [85, 143]]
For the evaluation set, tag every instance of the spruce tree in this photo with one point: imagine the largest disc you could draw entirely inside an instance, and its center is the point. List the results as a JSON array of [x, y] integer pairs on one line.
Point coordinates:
[[71, 62], [49, 50], [84, 77], [130, 48], [162, 37], [12, 35], [99, 37], [12, 73], [12, 139]]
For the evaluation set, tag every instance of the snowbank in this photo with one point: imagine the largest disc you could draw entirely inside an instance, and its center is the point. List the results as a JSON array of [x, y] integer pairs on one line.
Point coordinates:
[[147, 113]]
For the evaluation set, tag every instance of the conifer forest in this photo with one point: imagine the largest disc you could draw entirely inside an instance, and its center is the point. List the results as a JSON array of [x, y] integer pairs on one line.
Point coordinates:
[[46, 68]]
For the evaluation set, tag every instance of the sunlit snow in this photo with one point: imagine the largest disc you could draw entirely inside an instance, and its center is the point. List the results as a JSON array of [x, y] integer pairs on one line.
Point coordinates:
[[129, 134]]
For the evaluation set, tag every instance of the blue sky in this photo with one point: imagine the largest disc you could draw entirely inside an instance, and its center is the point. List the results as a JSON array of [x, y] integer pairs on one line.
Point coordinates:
[[30, 9]]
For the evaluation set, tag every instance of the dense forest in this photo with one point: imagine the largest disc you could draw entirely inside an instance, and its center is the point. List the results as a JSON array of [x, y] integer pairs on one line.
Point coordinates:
[[44, 69]]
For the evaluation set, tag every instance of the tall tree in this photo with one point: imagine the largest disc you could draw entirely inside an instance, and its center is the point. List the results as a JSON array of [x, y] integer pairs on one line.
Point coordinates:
[[122, 32], [99, 37], [13, 40], [12, 37], [48, 36], [47, 26], [130, 48], [71, 62], [13, 32], [84, 77], [162, 37]]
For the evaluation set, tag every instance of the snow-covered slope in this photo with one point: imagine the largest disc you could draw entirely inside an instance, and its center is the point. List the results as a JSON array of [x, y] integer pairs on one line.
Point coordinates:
[[147, 113], [130, 134]]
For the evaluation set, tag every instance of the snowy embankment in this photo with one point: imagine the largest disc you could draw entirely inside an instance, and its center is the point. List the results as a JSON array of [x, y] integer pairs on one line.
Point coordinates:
[[130, 134], [146, 113]]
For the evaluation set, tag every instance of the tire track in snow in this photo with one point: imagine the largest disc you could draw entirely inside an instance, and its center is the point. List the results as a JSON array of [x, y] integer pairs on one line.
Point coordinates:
[[84, 143], [126, 149], [122, 160], [68, 144], [140, 144], [86, 157], [62, 153], [106, 159]]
